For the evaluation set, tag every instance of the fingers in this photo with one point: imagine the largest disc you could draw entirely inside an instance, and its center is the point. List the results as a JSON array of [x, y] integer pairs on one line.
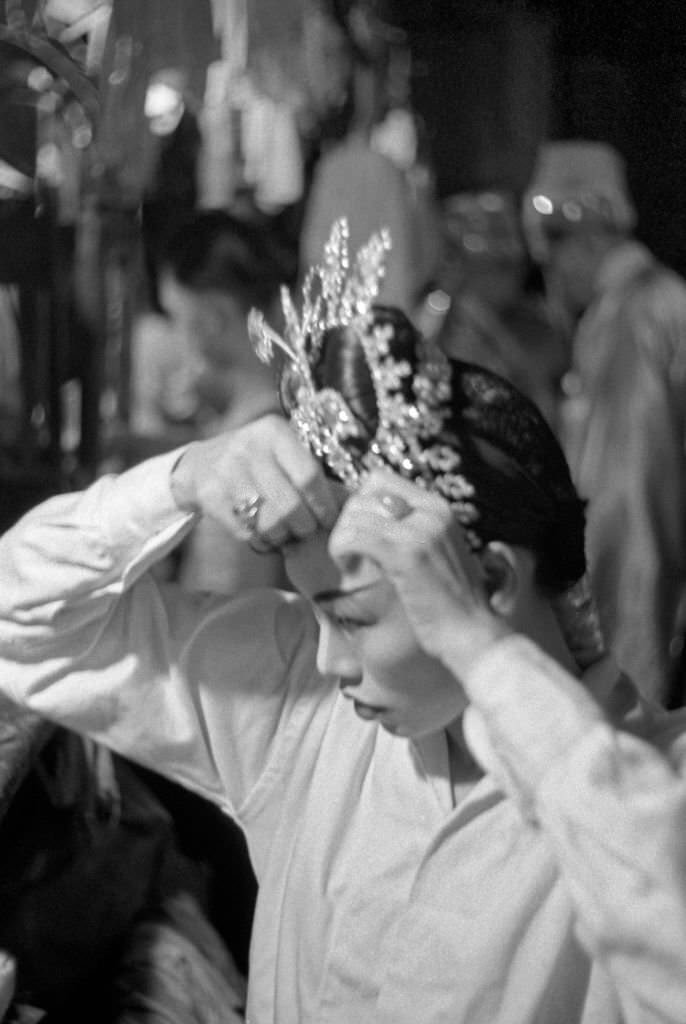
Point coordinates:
[[307, 477], [400, 498], [385, 482], [393, 506], [295, 498], [402, 527], [278, 514], [365, 528], [284, 514]]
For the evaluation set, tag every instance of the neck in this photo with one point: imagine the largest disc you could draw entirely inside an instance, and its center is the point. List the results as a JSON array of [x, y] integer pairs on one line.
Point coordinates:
[[544, 629], [465, 772]]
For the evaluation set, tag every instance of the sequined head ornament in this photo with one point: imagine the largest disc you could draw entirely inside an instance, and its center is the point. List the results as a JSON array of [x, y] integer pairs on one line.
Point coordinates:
[[413, 404], [452, 427]]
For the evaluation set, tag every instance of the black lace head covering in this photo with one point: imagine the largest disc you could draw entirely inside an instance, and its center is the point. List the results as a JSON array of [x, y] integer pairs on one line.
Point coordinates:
[[523, 489]]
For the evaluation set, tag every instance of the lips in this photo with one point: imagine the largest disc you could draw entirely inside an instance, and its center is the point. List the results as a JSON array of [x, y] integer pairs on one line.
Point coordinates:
[[366, 711]]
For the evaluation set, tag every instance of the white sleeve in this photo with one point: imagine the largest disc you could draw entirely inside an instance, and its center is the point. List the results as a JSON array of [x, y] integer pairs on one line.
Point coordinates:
[[198, 687], [612, 805]]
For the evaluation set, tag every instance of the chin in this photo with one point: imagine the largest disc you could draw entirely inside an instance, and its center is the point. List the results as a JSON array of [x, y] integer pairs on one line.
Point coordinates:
[[394, 729], [404, 730]]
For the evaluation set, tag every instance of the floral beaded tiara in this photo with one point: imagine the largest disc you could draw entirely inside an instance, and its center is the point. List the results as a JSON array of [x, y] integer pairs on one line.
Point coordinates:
[[412, 404]]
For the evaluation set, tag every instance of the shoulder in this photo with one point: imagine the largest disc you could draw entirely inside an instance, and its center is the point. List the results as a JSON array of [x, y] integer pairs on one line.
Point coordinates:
[[657, 288], [647, 311]]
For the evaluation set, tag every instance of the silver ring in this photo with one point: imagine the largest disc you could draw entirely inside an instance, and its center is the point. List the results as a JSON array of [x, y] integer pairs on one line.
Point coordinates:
[[247, 510], [393, 506]]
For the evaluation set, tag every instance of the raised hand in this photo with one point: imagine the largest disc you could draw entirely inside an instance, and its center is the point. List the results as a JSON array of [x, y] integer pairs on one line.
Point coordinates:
[[416, 539], [259, 481]]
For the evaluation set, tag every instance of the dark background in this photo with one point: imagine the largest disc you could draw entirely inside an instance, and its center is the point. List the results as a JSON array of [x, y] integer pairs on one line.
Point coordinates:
[[492, 79]]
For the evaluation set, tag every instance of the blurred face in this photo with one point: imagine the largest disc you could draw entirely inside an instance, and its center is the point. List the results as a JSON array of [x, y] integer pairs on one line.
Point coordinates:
[[485, 256], [366, 640], [497, 282], [206, 320], [570, 271]]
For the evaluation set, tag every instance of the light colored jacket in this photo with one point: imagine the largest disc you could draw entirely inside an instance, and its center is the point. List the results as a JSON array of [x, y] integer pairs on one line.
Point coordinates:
[[624, 432], [552, 892]]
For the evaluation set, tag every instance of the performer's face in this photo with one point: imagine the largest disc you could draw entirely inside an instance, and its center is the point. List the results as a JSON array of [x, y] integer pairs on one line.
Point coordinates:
[[367, 642]]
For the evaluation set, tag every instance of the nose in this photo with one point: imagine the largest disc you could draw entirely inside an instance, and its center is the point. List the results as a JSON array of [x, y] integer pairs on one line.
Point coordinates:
[[336, 655]]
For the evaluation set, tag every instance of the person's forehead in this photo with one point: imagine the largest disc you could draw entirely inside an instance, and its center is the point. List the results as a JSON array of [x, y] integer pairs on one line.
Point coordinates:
[[309, 566], [313, 572]]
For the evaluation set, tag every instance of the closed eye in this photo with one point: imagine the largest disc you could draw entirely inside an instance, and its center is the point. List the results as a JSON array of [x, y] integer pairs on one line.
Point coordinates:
[[350, 610], [347, 624]]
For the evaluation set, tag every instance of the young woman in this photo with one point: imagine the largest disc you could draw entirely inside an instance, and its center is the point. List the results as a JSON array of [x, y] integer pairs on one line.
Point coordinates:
[[449, 822]]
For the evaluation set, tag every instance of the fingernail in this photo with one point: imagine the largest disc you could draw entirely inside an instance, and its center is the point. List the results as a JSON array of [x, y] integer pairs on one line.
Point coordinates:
[[393, 506]]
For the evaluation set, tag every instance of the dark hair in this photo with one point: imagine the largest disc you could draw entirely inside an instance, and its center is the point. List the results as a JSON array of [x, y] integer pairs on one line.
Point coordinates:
[[211, 250], [524, 492]]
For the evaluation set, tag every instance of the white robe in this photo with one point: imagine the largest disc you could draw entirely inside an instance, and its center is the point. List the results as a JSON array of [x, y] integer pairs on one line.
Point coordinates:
[[554, 895]]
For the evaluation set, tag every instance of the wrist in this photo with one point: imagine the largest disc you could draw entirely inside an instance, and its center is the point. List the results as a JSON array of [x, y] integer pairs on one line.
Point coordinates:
[[462, 648]]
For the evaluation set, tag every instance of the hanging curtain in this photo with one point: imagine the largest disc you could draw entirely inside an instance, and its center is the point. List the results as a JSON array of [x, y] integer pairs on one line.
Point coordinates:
[[263, 37], [230, 23], [145, 38]]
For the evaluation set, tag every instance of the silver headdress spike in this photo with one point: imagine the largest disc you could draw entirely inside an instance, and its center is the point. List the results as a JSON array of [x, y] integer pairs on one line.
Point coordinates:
[[338, 294]]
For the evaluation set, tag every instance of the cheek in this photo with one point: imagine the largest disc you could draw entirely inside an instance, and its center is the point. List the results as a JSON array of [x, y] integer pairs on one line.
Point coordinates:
[[416, 682], [390, 656], [390, 650]]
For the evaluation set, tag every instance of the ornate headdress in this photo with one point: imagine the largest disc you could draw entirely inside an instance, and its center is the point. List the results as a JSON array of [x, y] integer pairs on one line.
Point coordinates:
[[412, 404]]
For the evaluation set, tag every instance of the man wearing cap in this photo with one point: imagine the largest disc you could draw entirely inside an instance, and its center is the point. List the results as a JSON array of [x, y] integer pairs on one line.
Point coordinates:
[[622, 417], [483, 312]]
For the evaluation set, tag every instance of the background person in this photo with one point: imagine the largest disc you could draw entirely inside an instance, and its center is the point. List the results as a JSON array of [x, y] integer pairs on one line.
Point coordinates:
[[376, 174], [490, 316], [193, 368], [622, 419]]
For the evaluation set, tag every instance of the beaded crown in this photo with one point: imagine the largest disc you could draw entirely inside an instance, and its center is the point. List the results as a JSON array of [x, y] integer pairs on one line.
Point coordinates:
[[412, 404]]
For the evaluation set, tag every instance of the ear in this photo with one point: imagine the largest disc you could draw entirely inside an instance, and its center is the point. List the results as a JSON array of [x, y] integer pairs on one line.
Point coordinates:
[[501, 570]]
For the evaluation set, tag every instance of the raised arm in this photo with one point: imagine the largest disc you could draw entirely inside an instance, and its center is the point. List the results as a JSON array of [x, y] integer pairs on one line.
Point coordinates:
[[90, 639], [612, 804]]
